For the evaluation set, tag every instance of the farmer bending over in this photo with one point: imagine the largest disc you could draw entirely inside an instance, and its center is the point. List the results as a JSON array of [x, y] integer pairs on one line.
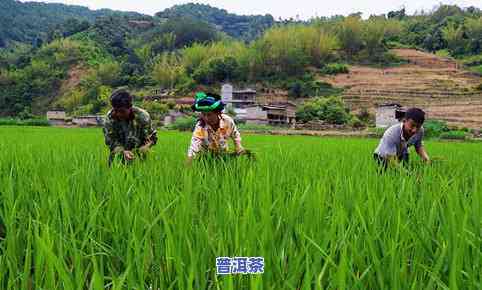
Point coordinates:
[[128, 129], [393, 147], [213, 128]]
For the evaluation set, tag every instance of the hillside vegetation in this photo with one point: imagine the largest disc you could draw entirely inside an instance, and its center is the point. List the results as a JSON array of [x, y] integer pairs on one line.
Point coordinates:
[[189, 47]]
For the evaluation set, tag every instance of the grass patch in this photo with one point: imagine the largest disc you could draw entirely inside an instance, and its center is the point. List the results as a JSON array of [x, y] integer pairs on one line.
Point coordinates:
[[314, 208]]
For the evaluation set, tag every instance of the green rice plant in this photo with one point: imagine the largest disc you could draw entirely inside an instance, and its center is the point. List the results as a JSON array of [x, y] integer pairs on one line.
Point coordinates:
[[454, 135], [315, 208], [25, 122]]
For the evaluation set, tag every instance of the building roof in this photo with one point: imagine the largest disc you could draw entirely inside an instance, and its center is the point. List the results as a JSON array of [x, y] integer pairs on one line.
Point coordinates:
[[242, 101], [184, 101], [267, 107], [86, 117], [245, 91], [178, 101], [389, 105], [282, 104]]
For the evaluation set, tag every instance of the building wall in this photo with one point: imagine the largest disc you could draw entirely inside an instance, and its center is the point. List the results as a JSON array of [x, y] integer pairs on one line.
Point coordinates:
[[57, 122], [244, 96], [256, 112], [56, 115], [85, 121], [385, 117], [257, 121], [227, 94]]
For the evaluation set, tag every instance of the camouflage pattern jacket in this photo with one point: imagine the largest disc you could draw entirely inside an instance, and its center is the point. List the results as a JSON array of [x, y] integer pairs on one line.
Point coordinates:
[[131, 134]]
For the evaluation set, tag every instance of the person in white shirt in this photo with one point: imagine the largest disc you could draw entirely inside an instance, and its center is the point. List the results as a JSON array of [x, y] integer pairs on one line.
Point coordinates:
[[393, 147]]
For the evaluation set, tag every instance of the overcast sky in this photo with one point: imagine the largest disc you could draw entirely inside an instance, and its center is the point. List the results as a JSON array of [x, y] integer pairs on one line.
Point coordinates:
[[285, 9]]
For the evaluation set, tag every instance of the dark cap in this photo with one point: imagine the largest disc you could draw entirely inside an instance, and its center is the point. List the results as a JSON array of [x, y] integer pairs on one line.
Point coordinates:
[[416, 114], [121, 98]]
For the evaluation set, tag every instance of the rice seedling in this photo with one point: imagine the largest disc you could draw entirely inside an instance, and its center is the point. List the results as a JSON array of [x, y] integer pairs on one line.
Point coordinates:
[[315, 209]]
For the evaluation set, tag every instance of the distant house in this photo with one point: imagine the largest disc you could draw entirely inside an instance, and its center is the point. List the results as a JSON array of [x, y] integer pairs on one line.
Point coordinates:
[[388, 115], [237, 99], [254, 115], [57, 118], [244, 95], [246, 107], [184, 101], [87, 121], [157, 95], [172, 116], [281, 113], [227, 94]]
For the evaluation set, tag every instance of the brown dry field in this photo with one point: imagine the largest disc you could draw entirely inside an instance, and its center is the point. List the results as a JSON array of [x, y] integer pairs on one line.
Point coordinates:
[[438, 85]]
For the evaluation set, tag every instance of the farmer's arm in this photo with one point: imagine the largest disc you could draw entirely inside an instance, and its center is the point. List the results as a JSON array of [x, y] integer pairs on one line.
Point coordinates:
[[389, 144], [111, 138], [236, 136], [421, 149], [423, 153], [113, 142], [196, 143], [150, 134]]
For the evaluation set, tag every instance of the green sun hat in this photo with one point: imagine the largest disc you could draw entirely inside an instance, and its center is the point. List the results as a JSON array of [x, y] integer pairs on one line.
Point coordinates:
[[207, 102]]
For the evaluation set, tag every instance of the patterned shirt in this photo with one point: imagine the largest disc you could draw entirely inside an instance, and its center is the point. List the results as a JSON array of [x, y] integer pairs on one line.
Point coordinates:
[[128, 135], [205, 138], [393, 143]]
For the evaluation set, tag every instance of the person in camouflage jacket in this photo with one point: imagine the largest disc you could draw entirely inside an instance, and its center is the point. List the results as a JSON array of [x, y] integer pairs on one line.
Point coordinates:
[[128, 130]]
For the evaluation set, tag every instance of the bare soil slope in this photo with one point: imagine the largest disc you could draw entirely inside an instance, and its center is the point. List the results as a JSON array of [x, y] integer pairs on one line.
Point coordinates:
[[437, 84]]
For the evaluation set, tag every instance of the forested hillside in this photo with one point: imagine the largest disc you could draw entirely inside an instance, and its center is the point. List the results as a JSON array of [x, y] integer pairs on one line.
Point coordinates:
[[78, 63], [32, 22]]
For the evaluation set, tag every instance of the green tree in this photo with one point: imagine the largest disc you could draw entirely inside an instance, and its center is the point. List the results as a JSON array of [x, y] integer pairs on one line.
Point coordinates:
[[168, 71], [217, 70], [109, 73], [474, 34], [455, 37], [328, 109], [350, 32], [182, 32], [373, 34]]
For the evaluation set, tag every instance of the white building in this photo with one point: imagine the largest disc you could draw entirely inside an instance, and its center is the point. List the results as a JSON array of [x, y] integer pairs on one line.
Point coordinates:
[[227, 95], [386, 116]]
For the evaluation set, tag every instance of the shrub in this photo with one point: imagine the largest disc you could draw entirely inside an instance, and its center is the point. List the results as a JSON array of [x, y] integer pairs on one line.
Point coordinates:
[[184, 123], [454, 135], [330, 109], [365, 116], [305, 88], [26, 122], [155, 109], [216, 70], [356, 123], [377, 132], [334, 68], [434, 128]]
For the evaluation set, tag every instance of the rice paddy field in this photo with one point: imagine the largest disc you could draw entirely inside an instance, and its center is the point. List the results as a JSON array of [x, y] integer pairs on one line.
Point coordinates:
[[314, 208]]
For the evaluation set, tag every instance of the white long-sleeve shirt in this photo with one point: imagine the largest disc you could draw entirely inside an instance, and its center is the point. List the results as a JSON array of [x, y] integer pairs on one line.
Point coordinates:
[[205, 138]]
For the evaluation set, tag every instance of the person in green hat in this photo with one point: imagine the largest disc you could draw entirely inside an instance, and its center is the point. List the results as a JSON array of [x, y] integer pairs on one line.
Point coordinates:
[[213, 128]]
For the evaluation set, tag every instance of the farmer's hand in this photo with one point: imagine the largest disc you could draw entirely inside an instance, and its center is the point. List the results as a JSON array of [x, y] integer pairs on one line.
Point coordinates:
[[128, 155], [189, 161], [144, 149], [240, 150]]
